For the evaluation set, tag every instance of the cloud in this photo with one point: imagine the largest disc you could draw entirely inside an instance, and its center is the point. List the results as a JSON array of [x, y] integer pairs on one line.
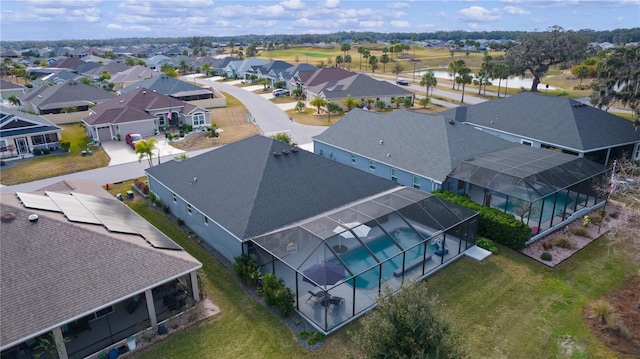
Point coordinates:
[[397, 5], [292, 4], [371, 24], [331, 4], [478, 14], [400, 23], [512, 10]]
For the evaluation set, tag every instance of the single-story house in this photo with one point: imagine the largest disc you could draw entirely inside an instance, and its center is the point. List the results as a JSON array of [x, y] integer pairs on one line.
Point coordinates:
[[338, 232], [181, 90], [21, 132], [143, 111], [430, 152], [156, 62], [8, 88], [83, 271], [271, 71], [239, 68], [552, 122], [71, 96], [360, 87], [131, 76]]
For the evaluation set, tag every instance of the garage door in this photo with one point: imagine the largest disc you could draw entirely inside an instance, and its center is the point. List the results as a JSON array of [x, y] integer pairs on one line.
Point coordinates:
[[104, 134]]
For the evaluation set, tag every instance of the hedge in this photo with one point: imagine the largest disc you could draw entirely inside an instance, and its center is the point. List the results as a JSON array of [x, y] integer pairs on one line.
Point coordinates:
[[494, 224]]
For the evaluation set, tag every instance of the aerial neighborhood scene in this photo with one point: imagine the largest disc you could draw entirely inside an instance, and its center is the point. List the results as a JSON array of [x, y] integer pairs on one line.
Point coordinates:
[[313, 179]]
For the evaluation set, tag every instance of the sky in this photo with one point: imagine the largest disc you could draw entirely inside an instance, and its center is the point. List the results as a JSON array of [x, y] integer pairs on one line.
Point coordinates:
[[106, 19]]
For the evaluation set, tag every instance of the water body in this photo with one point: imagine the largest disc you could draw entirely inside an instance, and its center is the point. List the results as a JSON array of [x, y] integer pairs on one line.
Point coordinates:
[[514, 82]]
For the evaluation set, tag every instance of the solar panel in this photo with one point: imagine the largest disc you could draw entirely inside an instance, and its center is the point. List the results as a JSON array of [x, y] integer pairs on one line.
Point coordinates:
[[36, 201], [117, 217], [72, 209]]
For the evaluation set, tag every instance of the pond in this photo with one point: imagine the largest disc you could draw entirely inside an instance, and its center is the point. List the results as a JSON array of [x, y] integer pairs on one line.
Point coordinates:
[[514, 82]]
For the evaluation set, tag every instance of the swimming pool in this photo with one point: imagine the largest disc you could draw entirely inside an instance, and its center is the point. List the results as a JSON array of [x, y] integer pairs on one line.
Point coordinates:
[[547, 212], [359, 259]]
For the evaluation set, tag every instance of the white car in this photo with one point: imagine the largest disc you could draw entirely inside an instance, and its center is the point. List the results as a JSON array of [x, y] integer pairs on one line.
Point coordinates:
[[280, 92]]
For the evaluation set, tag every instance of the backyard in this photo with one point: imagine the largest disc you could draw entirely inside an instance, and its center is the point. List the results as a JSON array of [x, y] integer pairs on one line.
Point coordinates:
[[483, 306]]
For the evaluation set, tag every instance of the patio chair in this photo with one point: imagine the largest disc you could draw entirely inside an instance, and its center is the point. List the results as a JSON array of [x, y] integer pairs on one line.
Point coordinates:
[[316, 297], [336, 302]]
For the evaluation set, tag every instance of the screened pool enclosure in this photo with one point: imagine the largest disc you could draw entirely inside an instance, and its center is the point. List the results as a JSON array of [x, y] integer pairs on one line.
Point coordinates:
[[542, 188], [337, 263]]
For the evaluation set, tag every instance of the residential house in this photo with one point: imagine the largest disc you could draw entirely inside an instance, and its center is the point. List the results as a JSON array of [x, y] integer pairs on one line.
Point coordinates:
[[83, 271], [338, 232], [181, 90], [21, 133], [131, 76], [156, 62], [70, 96], [556, 123], [272, 71], [239, 69], [292, 75], [360, 87], [8, 88], [143, 111], [219, 64], [435, 152], [69, 63]]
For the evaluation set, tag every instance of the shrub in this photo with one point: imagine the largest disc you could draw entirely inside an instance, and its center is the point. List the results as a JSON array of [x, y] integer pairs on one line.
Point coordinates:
[[613, 215], [580, 231], [165, 208], [277, 294], [600, 310], [596, 218], [316, 338], [145, 188], [546, 256], [547, 245], [563, 241], [494, 224], [153, 198], [46, 151], [304, 335], [487, 244], [179, 221], [247, 269], [37, 152], [65, 145]]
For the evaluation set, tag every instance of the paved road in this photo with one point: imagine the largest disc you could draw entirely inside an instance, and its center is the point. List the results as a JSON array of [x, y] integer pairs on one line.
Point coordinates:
[[269, 117]]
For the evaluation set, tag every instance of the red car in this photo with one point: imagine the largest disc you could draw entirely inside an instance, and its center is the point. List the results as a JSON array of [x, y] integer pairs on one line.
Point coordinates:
[[132, 138]]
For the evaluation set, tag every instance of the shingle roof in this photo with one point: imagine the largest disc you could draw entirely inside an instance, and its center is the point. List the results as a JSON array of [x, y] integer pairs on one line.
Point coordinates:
[[166, 85], [320, 76], [427, 145], [358, 86], [7, 85], [69, 94], [249, 191], [55, 270], [136, 73], [549, 119], [15, 123]]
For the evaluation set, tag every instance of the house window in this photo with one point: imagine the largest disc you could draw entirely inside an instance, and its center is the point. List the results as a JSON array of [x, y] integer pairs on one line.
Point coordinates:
[[394, 174], [353, 158], [416, 182], [526, 143], [173, 196], [43, 139], [206, 220], [372, 165], [101, 313], [160, 120], [198, 119], [189, 208]]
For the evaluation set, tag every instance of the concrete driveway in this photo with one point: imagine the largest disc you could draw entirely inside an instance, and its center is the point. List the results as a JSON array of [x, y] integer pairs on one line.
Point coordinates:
[[120, 152]]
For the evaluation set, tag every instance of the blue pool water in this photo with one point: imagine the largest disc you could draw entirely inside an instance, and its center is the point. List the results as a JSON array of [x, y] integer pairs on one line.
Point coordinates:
[[358, 259]]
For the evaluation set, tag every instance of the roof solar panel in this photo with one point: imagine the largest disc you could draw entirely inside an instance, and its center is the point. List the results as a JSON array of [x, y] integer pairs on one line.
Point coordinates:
[[36, 201], [72, 209]]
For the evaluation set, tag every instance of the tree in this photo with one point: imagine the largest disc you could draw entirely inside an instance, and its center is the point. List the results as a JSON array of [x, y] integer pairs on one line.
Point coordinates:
[[339, 61], [183, 66], [13, 100], [264, 82], [207, 69], [297, 92], [366, 55], [464, 78], [361, 51], [487, 69], [318, 101], [581, 72], [332, 107], [429, 81], [300, 106], [350, 102], [454, 66], [538, 51], [397, 69], [373, 61], [381, 105], [345, 48], [347, 60], [425, 102], [283, 137], [369, 101], [145, 148], [500, 72], [384, 59], [408, 325], [618, 80]]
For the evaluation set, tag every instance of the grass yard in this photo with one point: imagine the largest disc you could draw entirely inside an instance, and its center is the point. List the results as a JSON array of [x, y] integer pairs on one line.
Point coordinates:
[[509, 306], [52, 165]]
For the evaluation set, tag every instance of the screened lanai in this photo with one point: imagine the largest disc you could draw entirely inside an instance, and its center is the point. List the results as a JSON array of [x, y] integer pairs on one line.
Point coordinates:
[[337, 263], [542, 188]]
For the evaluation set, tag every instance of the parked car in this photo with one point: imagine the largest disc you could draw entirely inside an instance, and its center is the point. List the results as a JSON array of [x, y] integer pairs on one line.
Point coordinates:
[[280, 92], [402, 82], [132, 138]]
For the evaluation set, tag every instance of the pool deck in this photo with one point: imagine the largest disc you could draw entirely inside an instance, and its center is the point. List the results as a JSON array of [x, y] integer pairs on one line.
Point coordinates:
[[477, 253]]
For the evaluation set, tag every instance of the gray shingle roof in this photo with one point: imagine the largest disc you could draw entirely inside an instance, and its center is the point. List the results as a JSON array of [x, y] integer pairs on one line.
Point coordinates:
[[358, 86], [14, 123], [419, 143], [68, 94], [549, 119], [55, 270], [249, 191], [166, 85]]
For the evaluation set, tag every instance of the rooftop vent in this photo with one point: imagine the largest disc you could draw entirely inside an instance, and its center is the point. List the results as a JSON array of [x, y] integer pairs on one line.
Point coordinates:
[[452, 122], [285, 152], [381, 142], [33, 218], [8, 217], [276, 154], [388, 155], [294, 149]]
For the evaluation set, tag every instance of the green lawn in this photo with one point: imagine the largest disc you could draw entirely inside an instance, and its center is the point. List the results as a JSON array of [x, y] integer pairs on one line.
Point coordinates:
[[509, 306], [55, 165]]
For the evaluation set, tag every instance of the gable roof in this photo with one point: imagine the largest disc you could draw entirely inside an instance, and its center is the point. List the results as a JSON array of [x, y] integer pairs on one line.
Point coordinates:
[[16, 123], [554, 120], [135, 106], [358, 86], [320, 76], [93, 267], [427, 145], [68, 94], [8, 85], [167, 85], [69, 63], [249, 191], [135, 73]]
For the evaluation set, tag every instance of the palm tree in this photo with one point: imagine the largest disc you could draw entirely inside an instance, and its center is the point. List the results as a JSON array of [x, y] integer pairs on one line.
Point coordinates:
[[500, 71], [318, 101], [183, 66], [397, 69], [369, 101], [347, 60], [300, 106], [424, 102], [13, 100], [464, 78], [345, 48], [350, 102], [297, 92], [206, 68], [384, 59], [361, 51], [429, 81], [453, 69], [373, 61], [366, 54], [332, 107], [264, 82], [339, 60], [145, 148], [487, 67]]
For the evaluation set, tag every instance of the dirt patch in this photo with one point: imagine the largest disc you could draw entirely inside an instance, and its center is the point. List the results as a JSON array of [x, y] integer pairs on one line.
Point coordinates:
[[625, 301], [592, 231]]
